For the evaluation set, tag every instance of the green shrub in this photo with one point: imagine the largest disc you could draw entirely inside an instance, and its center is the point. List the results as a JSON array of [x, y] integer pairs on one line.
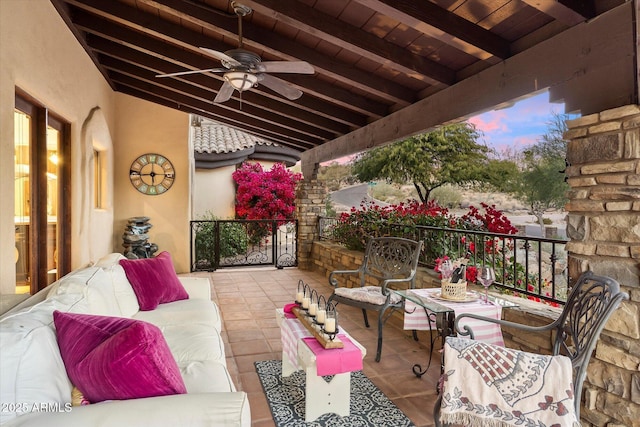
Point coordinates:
[[447, 196], [233, 240]]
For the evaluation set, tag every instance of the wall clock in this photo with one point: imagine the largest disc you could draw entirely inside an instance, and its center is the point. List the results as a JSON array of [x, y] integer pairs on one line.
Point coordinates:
[[151, 174]]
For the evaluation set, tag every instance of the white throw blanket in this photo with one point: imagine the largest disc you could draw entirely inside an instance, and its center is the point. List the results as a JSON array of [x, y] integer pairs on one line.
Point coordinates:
[[487, 385]]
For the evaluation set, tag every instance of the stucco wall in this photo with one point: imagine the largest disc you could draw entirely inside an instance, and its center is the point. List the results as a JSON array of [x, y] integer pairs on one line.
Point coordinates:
[[214, 191], [39, 55], [143, 127]]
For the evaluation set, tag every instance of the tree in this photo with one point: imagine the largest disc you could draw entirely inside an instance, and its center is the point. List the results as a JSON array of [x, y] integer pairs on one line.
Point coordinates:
[[448, 155], [542, 182]]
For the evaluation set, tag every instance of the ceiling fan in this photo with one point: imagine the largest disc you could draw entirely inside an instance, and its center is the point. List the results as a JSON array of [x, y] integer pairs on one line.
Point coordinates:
[[244, 70]]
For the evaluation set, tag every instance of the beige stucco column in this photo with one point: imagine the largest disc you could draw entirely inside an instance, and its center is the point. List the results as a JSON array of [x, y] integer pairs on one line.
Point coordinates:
[[603, 224]]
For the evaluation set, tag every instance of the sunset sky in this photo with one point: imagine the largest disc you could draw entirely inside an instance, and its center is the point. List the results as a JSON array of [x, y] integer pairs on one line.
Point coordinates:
[[518, 126]]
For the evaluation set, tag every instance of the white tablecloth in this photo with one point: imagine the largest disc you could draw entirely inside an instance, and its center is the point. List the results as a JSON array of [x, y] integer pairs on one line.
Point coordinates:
[[415, 317]]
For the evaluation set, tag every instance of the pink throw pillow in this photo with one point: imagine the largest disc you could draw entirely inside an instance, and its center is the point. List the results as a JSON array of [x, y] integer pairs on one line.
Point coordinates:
[[116, 358], [154, 280]]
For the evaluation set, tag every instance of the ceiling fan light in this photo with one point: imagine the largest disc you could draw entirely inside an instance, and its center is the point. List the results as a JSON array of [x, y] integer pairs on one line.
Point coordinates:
[[240, 80]]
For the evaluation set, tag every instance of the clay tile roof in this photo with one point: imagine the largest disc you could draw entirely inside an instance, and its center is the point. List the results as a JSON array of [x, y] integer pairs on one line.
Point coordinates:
[[215, 138]]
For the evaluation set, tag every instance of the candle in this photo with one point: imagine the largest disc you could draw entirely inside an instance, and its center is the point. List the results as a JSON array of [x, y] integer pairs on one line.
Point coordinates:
[[313, 308], [299, 297], [321, 315], [330, 325], [305, 302]]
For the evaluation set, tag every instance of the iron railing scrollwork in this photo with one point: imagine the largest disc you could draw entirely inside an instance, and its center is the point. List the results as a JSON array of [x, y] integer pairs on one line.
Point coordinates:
[[235, 243]]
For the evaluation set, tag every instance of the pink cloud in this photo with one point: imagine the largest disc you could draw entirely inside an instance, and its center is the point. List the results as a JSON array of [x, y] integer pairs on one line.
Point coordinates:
[[493, 121]]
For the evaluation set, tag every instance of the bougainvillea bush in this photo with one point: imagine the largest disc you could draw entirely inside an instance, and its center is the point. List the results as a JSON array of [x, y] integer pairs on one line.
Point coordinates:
[[264, 194]]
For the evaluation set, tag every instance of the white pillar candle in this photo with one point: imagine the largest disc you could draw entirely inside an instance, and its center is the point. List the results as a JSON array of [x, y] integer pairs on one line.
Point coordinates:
[[299, 297], [313, 308], [321, 315], [305, 302], [330, 325]]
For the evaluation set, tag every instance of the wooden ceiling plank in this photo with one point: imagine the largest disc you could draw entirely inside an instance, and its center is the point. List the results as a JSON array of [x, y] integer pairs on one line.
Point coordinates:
[[169, 54], [443, 25], [205, 96], [179, 36], [284, 48], [310, 20], [572, 59], [205, 81], [570, 12]]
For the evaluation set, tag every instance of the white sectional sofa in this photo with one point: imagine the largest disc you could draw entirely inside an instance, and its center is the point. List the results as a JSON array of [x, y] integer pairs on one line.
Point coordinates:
[[35, 389]]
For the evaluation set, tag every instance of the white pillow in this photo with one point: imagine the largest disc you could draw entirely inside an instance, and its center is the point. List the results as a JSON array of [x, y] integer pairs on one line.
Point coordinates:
[[33, 373], [93, 288], [125, 296]]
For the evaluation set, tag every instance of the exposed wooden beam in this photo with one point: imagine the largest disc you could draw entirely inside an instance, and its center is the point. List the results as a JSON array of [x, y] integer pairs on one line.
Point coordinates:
[[570, 12], [102, 35], [443, 25], [172, 33], [285, 48], [208, 83], [336, 32], [571, 63], [145, 76]]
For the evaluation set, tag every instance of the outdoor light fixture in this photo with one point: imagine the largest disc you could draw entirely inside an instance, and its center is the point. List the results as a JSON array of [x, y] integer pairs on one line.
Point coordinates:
[[241, 80]]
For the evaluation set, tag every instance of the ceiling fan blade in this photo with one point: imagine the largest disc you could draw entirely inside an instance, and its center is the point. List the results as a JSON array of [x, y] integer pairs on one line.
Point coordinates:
[[222, 57], [225, 92], [183, 73], [279, 86], [298, 67]]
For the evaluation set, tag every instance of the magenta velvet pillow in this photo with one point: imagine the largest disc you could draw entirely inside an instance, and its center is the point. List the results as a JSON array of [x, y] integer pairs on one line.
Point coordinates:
[[116, 358], [154, 280]]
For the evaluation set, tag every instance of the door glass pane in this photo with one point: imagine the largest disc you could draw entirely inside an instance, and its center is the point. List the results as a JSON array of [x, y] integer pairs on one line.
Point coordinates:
[[53, 142], [22, 141]]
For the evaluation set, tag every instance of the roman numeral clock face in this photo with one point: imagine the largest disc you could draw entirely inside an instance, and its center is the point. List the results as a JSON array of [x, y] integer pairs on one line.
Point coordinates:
[[152, 174]]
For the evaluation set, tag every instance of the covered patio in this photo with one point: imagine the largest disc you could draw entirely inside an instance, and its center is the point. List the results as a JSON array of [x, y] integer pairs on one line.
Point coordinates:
[[384, 70]]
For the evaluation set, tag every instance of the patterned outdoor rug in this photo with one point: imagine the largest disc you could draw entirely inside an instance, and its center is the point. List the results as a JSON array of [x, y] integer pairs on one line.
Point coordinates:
[[369, 405]]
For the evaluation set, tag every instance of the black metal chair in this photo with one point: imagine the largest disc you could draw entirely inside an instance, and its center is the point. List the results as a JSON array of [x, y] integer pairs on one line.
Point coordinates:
[[387, 261], [575, 333]]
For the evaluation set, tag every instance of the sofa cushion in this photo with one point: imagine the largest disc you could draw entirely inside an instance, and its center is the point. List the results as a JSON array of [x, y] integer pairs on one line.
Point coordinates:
[[154, 280], [206, 376], [126, 298], [194, 311], [189, 342], [117, 358]]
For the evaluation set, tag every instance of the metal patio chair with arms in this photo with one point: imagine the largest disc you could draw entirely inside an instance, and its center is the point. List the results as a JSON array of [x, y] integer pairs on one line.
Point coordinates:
[[389, 261], [528, 385]]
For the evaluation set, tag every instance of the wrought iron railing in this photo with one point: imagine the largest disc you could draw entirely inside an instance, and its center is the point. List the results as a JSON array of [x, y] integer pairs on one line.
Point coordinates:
[[532, 267], [235, 243]]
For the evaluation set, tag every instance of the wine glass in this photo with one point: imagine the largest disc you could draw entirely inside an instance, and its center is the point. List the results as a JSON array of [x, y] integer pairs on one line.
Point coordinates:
[[446, 269], [486, 276]]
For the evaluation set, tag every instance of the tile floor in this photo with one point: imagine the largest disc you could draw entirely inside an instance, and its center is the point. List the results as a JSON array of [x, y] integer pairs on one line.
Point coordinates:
[[248, 298]]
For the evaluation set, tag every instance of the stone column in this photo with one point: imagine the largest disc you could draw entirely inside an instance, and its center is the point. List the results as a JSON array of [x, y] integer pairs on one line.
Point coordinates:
[[310, 204], [603, 225]]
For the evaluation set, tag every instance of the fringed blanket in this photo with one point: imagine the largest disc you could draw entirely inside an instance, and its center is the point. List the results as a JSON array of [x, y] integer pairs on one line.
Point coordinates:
[[486, 385]]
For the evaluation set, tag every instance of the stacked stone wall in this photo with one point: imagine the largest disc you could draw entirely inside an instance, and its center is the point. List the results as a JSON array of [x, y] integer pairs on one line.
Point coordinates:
[[310, 204], [603, 224]]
